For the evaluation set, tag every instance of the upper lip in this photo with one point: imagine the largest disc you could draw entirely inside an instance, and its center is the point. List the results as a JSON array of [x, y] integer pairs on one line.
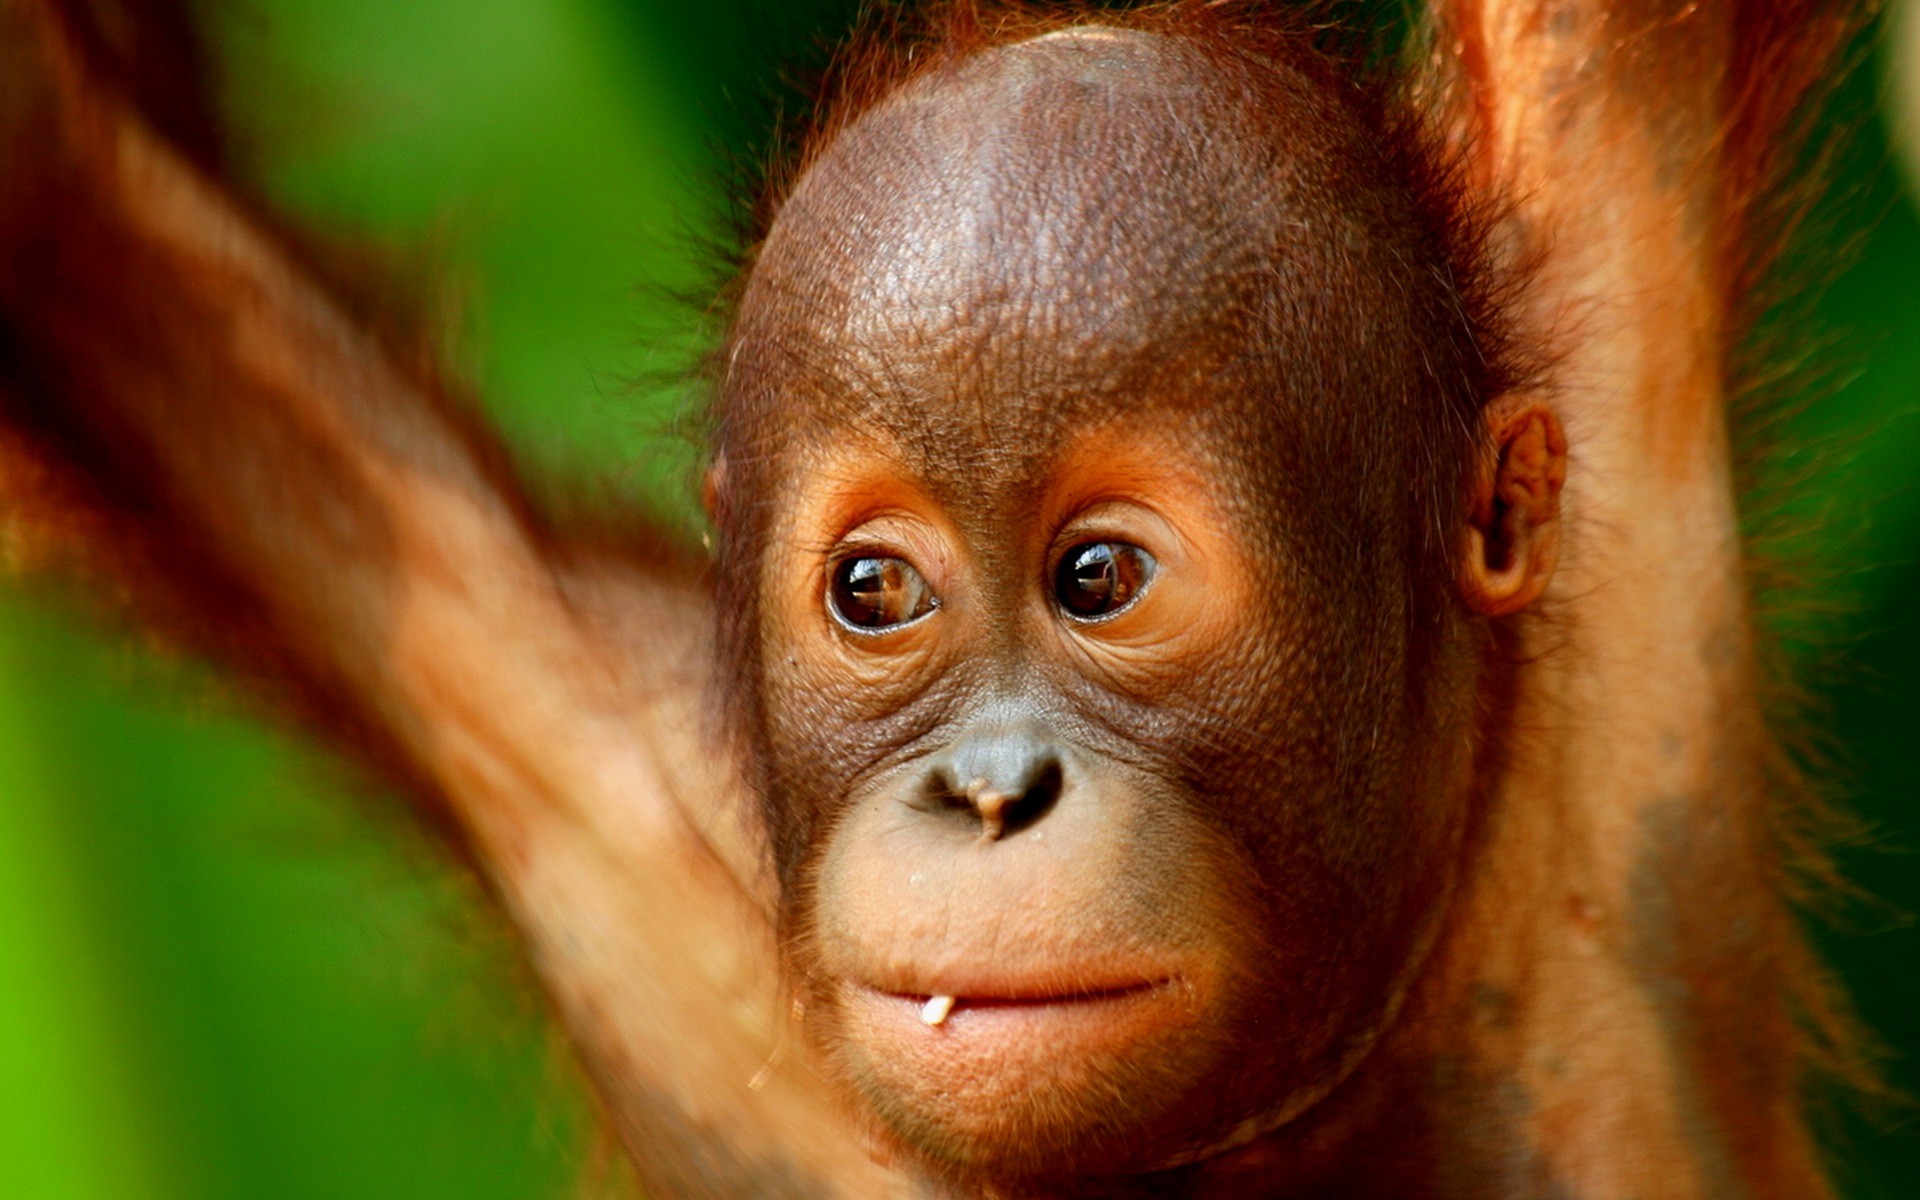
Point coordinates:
[[1003, 987]]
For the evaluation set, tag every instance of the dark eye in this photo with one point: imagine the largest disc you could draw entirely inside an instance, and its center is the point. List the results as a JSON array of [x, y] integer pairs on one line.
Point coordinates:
[[878, 593], [1101, 578]]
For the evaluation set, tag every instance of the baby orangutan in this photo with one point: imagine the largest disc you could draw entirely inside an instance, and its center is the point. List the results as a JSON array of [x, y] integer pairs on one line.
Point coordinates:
[[1227, 589], [1093, 501]]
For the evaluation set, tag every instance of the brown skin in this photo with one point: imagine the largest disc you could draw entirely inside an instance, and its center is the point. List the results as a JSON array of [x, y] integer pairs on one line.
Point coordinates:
[[1365, 853]]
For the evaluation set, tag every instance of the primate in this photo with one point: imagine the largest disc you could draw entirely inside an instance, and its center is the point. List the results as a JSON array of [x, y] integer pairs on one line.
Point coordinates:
[[1226, 618], [1121, 575]]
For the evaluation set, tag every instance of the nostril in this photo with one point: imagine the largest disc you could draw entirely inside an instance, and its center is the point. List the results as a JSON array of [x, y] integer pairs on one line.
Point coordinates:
[[1022, 810], [944, 794]]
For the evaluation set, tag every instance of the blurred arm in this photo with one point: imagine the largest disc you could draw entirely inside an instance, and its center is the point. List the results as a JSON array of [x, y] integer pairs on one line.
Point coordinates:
[[261, 472]]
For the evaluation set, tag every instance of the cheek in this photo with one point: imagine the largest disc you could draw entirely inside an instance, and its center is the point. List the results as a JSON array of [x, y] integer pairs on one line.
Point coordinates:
[[1172, 662], [1301, 749]]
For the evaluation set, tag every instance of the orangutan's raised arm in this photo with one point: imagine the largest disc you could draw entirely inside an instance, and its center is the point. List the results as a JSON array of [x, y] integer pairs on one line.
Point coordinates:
[[1640, 146], [291, 497]]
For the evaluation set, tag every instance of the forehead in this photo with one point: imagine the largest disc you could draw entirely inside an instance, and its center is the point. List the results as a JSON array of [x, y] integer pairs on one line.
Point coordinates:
[[1056, 233]]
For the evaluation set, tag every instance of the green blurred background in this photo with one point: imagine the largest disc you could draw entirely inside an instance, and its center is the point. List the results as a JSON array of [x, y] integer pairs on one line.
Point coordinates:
[[228, 971]]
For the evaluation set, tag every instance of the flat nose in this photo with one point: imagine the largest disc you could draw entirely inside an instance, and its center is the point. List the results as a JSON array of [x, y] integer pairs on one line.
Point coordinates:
[[1005, 780]]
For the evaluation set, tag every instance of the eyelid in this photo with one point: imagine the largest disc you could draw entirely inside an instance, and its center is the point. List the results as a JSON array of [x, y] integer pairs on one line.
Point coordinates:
[[879, 516], [1113, 519], [842, 552], [892, 532], [917, 552], [1121, 521]]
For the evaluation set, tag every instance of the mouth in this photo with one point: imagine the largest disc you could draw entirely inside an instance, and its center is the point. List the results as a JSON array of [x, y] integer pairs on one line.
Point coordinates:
[[937, 1008], [1012, 1024]]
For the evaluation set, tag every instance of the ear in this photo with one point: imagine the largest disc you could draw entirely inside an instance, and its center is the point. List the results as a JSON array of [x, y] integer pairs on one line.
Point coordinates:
[[1513, 520]]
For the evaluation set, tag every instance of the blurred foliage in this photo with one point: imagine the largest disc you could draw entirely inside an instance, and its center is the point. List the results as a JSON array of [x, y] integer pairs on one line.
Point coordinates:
[[224, 972]]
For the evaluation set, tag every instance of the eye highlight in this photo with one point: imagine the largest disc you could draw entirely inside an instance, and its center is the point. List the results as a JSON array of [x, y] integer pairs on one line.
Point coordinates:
[[875, 592], [1099, 579]]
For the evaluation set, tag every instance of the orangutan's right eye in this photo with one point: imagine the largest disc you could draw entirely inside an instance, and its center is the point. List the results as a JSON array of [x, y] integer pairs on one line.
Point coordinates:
[[874, 593], [1100, 579]]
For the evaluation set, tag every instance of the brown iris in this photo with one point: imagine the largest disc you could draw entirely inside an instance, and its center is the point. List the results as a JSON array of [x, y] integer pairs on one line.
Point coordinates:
[[1098, 579], [878, 592]]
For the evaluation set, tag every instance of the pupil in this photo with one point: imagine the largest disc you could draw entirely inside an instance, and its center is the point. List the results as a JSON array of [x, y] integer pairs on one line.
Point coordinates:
[[1101, 578], [873, 593], [1094, 573]]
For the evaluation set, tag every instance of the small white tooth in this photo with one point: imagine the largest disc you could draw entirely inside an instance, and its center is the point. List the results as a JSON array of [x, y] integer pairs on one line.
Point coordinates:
[[936, 1009]]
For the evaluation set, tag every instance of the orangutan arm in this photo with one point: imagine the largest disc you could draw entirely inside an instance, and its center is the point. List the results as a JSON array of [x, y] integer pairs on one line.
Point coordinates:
[[261, 474], [1637, 144]]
